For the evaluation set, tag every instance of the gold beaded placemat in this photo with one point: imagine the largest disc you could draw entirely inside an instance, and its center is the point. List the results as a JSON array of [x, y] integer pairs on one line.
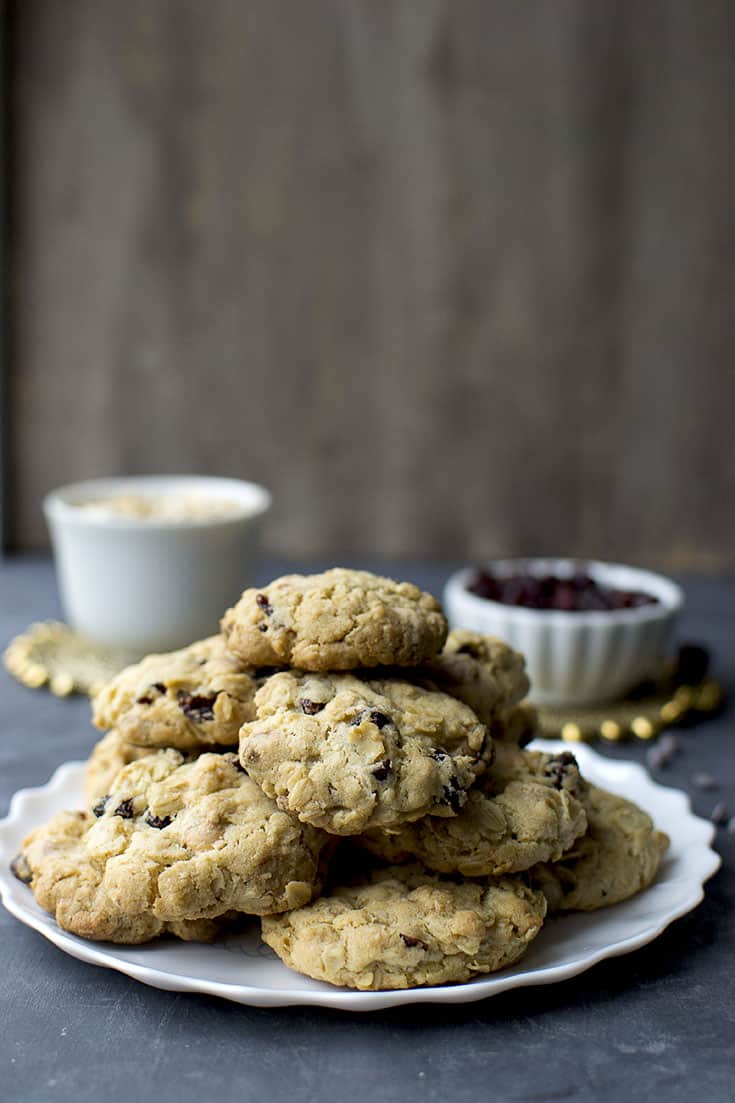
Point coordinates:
[[642, 715], [52, 654]]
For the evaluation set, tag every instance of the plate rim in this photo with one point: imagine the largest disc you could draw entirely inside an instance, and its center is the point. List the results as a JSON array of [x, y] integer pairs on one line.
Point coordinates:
[[106, 955]]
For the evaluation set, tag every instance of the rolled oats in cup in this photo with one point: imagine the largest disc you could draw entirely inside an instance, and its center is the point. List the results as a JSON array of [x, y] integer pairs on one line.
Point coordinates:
[[149, 563]]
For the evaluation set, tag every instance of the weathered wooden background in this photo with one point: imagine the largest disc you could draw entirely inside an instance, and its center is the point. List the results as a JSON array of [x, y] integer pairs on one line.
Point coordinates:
[[452, 277]]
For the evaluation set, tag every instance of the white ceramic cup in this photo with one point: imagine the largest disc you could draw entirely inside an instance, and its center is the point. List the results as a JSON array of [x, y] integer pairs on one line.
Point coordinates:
[[575, 658], [152, 584]]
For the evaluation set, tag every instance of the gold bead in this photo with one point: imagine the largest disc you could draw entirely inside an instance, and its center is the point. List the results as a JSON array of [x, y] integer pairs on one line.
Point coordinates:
[[684, 698], [61, 685], [642, 727], [709, 697], [572, 733], [670, 712], [611, 730], [34, 676]]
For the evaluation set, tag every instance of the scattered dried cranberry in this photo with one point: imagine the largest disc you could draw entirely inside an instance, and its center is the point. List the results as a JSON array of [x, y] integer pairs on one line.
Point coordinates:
[[125, 809], [453, 795], [196, 706], [663, 752], [373, 716], [578, 594], [157, 821], [99, 808], [720, 814], [19, 868], [560, 768], [381, 771], [311, 708], [146, 699], [704, 781]]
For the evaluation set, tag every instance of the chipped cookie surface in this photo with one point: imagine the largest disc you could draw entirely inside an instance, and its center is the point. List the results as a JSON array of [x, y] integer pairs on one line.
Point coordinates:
[[346, 754], [484, 672], [405, 927], [338, 620], [617, 857], [525, 809], [172, 843], [189, 699]]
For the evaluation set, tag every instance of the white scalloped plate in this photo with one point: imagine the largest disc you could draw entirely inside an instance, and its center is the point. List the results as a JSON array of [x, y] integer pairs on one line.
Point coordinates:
[[246, 971]]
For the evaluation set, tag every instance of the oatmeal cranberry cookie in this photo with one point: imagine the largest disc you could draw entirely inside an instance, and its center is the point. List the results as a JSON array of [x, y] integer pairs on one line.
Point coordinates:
[[190, 699], [405, 927], [526, 808], [60, 837], [618, 857], [484, 672], [172, 844], [338, 620], [345, 754]]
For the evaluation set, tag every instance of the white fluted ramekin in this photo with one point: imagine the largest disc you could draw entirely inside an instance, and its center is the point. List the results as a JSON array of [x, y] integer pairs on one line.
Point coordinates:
[[574, 658]]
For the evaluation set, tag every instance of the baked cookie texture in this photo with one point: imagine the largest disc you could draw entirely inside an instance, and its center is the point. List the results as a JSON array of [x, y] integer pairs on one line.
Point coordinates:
[[618, 857], [338, 620], [354, 715], [527, 808], [345, 754], [172, 844], [405, 927], [105, 762], [190, 699], [484, 672], [515, 727], [52, 847]]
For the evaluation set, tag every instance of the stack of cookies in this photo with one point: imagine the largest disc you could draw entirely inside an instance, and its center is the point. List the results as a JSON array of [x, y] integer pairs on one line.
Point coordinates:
[[338, 764]]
